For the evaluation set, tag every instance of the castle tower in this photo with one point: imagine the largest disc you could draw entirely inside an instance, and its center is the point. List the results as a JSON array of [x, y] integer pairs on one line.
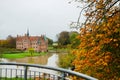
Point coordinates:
[[27, 32]]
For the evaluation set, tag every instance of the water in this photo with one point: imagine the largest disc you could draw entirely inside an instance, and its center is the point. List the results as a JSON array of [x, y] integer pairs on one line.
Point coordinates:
[[3, 60], [52, 61], [47, 60]]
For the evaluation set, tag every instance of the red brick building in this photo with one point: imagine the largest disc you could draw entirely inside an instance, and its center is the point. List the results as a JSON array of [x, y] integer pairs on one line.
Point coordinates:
[[38, 43]]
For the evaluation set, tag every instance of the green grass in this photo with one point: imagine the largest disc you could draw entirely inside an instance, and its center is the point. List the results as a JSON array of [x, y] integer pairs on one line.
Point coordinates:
[[21, 55]]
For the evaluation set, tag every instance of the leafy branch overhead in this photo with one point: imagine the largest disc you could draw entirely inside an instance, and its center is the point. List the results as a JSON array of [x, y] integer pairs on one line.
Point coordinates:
[[105, 8]]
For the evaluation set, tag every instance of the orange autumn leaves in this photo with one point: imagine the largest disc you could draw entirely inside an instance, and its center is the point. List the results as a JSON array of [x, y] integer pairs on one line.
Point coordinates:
[[98, 55], [95, 54]]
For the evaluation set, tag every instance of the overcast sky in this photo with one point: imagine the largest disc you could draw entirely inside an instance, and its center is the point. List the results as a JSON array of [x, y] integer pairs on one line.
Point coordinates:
[[48, 17]]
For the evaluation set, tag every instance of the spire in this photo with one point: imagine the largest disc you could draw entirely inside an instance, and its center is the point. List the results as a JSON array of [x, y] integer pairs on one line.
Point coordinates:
[[27, 32], [44, 37]]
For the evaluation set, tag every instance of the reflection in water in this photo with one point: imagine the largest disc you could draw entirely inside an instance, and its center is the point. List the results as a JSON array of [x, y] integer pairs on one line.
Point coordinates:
[[42, 60], [49, 60], [52, 61]]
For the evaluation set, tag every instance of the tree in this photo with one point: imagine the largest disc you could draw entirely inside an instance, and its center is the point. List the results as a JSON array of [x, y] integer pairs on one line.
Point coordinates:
[[3, 43], [11, 42], [50, 41], [74, 40], [63, 38], [99, 51], [31, 51], [1, 52]]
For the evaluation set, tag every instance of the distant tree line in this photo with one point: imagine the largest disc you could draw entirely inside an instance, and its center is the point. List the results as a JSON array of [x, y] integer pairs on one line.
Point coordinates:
[[10, 42], [68, 38], [8, 45]]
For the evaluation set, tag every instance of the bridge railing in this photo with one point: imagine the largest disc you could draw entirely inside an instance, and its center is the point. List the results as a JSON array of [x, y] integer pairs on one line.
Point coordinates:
[[25, 71]]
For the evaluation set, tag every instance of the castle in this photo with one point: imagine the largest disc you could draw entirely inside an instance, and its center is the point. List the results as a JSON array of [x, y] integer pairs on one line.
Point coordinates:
[[38, 43]]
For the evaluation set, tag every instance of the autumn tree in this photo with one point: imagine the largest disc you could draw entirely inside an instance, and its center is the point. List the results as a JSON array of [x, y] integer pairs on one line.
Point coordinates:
[[3, 43], [98, 54]]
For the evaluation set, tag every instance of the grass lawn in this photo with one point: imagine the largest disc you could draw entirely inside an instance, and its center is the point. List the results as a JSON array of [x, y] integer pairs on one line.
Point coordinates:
[[21, 55]]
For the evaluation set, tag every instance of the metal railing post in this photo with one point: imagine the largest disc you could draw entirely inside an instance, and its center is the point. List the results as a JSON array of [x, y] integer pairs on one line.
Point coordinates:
[[25, 73], [63, 76], [0, 74]]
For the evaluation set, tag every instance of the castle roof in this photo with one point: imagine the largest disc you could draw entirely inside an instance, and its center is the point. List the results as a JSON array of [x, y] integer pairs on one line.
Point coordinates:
[[31, 38]]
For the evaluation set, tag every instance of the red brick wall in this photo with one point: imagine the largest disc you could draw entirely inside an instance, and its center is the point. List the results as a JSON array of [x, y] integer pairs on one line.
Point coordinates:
[[26, 42]]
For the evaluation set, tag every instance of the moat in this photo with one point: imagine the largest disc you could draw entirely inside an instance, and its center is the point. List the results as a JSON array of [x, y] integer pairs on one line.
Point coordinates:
[[49, 59]]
